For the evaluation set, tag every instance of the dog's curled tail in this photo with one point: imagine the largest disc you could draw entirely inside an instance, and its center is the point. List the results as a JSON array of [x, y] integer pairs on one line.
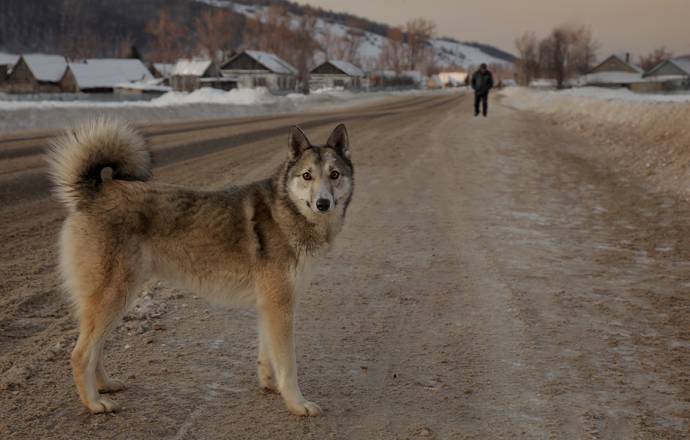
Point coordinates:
[[99, 149]]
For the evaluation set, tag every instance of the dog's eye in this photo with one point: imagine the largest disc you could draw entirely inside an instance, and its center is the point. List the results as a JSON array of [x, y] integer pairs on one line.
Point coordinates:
[[306, 176], [334, 174]]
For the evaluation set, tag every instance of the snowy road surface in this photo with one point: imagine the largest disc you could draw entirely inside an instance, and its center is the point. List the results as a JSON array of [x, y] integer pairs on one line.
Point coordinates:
[[495, 279]]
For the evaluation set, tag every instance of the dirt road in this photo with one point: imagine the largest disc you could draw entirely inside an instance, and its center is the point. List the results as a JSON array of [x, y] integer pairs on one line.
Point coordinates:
[[495, 279]]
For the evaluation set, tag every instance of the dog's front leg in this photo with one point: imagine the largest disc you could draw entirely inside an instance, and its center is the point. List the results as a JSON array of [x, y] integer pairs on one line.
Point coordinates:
[[276, 314]]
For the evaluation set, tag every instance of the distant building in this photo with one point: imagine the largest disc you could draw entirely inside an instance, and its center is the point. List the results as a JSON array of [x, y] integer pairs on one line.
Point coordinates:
[[668, 76], [101, 75], [252, 68], [190, 75], [453, 79], [614, 71], [36, 73], [7, 61], [337, 73], [162, 70]]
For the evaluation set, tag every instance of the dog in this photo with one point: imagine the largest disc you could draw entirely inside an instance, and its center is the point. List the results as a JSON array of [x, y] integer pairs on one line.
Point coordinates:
[[242, 245]]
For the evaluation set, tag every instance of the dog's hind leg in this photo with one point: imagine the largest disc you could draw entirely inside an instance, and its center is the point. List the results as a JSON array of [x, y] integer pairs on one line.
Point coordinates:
[[276, 315], [99, 313], [104, 383]]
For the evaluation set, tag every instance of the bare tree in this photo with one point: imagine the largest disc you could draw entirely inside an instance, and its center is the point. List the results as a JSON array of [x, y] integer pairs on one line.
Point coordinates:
[[566, 52], [655, 57], [393, 55], [583, 51], [527, 64], [170, 37], [419, 32], [215, 32]]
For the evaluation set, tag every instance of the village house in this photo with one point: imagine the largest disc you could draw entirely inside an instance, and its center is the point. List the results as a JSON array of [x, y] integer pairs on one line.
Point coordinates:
[[190, 75], [252, 68], [162, 70], [337, 73], [614, 71], [102, 75], [36, 73], [668, 76], [7, 61]]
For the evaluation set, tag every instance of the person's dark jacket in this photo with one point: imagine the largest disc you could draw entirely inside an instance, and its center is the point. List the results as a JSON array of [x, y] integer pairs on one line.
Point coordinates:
[[482, 82]]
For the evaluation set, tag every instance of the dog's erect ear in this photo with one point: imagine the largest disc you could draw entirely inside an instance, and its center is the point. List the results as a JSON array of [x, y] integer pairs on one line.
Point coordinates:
[[339, 140], [297, 142]]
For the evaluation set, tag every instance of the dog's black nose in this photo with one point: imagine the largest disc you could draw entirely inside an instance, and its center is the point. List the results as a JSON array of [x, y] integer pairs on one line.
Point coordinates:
[[323, 205]]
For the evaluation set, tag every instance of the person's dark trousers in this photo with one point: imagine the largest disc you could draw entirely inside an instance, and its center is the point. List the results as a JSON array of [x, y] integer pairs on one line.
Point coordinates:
[[484, 99]]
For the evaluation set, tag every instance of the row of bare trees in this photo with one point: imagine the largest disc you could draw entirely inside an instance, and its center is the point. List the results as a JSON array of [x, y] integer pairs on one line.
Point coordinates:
[[297, 40], [566, 52]]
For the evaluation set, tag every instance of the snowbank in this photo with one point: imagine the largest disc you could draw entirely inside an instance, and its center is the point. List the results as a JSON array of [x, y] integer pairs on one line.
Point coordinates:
[[646, 133], [204, 103]]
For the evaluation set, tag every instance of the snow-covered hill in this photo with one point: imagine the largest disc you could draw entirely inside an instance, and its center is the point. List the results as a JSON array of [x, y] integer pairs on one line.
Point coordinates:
[[448, 53]]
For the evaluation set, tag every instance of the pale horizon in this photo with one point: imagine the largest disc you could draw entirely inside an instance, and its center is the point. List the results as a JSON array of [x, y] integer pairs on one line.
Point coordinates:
[[619, 25]]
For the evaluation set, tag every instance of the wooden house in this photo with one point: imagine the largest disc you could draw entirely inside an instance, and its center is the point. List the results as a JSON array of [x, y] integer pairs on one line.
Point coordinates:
[[102, 75], [252, 68], [614, 71], [37, 73], [668, 76], [337, 74], [7, 61], [190, 75]]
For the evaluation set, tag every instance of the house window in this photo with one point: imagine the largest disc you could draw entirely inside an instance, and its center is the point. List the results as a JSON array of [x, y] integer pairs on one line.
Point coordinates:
[[259, 81], [338, 83]]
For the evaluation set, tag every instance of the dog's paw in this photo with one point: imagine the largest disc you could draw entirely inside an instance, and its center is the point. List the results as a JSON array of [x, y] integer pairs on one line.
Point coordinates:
[[111, 386], [103, 405], [304, 408]]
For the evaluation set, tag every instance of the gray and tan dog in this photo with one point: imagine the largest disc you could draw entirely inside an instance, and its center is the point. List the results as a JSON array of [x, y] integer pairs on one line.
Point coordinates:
[[241, 245]]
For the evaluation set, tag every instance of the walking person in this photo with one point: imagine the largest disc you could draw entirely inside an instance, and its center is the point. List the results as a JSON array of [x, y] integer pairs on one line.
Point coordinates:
[[482, 82]]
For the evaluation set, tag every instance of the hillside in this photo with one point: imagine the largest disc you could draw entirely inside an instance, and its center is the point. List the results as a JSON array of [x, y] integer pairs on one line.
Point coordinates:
[[80, 28]]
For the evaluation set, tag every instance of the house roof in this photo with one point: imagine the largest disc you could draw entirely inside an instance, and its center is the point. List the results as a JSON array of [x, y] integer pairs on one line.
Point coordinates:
[[8, 59], [272, 62], [164, 69], [106, 72], [620, 58], [191, 67], [344, 66], [48, 68], [681, 63]]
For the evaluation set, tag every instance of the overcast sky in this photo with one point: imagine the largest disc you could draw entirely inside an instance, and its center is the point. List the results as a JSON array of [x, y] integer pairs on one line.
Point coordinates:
[[636, 26]]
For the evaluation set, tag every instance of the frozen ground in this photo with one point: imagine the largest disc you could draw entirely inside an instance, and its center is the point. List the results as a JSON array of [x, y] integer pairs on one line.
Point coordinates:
[[647, 134], [202, 104]]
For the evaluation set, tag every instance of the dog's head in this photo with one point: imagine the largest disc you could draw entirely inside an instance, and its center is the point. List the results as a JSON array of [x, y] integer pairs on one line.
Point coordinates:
[[319, 178]]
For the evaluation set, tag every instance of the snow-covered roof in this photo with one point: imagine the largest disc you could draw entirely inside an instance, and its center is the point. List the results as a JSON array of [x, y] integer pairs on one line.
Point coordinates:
[[348, 68], [623, 58], [106, 72], [272, 62], [46, 67], [164, 69], [191, 67], [682, 63], [8, 59]]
